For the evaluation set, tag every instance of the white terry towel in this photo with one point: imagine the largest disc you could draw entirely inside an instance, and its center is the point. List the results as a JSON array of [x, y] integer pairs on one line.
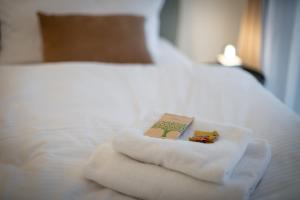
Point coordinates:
[[211, 162], [146, 181]]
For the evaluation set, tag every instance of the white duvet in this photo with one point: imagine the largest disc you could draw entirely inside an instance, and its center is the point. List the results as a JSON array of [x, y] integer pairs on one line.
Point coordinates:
[[52, 116]]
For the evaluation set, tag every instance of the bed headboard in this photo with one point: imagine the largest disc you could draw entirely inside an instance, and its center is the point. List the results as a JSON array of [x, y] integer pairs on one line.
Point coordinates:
[[169, 19]]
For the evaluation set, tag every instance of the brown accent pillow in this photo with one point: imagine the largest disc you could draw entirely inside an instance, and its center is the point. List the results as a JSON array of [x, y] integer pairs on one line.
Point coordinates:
[[118, 38]]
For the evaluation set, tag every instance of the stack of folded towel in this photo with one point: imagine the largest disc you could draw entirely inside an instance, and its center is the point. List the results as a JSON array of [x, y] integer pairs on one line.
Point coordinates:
[[163, 169]]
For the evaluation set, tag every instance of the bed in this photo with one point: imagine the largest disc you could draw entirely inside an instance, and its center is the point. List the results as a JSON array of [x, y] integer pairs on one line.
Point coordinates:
[[53, 115]]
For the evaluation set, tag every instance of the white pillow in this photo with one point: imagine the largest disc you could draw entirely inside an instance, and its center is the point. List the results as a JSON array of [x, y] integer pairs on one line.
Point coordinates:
[[21, 39]]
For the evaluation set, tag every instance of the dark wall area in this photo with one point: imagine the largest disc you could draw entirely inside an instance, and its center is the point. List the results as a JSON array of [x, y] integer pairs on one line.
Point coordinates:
[[169, 20]]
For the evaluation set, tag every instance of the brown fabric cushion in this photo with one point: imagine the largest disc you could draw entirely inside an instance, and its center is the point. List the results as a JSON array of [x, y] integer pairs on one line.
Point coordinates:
[[118, 38]]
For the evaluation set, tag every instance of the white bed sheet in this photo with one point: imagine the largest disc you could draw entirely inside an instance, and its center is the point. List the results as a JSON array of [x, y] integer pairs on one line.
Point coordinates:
[[170, 55], [52, 116]]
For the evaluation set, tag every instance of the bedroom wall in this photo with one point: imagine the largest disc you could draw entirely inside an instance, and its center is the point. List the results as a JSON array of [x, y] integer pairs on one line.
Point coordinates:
[[206, 26]]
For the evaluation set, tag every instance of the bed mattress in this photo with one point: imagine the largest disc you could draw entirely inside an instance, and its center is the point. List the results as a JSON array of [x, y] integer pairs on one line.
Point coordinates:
[[52, 117]]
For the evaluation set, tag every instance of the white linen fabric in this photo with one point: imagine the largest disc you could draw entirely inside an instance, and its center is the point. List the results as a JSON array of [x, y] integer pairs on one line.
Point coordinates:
[[210, 162], [169, 55], [21, 38], [114, 170], [53, 116]]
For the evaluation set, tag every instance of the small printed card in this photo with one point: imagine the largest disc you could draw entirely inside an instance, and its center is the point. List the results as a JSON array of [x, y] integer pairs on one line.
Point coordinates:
[[169, 126]]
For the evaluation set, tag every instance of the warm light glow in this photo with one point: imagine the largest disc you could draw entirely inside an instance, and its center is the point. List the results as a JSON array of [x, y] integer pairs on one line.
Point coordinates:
[[229, 51], [229, 58]]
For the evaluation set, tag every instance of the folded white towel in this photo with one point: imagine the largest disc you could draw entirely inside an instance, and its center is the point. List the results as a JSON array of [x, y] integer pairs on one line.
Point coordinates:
[[146, 181], [211, 162]]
